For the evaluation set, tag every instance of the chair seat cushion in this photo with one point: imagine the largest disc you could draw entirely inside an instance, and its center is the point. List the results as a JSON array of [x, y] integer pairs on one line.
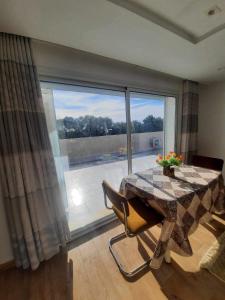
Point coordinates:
[[141, 217]]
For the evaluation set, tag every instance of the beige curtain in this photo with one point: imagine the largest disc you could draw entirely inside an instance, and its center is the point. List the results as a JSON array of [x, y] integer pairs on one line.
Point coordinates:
[[29, 185], [189, 120]]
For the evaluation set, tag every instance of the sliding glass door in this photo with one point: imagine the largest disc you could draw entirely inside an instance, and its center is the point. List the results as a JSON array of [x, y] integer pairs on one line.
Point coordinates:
[[152, 128], [91, 125], [147, 130], [95, 134]]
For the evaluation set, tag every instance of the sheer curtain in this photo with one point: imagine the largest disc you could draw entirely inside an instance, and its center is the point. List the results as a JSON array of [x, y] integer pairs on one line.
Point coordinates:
[[61, 162], [29, 184]]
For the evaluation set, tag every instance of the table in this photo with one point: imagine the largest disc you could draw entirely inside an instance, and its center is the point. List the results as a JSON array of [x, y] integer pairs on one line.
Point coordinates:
[[185, 201]]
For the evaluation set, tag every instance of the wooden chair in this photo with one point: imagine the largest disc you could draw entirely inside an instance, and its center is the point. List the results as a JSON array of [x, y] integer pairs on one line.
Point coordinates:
[[136, 217], [207, 162]]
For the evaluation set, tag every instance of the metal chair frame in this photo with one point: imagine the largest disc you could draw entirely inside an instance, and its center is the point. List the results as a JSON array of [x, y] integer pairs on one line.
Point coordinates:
[[119, 237]]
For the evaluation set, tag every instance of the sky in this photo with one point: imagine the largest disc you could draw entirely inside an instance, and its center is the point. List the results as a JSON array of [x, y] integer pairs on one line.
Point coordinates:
[[76, 104]]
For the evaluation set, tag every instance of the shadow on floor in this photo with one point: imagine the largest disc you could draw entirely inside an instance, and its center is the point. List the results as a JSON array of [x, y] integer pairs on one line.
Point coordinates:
[[169, 274], [215, 226], [52, 280], [195, 285], [97, 232], [148, 238]]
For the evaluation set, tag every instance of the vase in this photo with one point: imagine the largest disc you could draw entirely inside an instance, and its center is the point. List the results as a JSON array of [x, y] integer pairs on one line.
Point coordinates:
[[168, 171]]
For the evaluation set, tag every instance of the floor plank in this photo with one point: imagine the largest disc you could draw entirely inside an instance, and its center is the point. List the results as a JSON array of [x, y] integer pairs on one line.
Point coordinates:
[[88, 272]]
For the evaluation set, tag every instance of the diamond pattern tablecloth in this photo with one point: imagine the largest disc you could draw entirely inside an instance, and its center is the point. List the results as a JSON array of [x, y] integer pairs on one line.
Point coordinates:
[[185, 200]]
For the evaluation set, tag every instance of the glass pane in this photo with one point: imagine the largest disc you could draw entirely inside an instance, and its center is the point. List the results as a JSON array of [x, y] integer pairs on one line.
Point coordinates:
[[91, 126], [147, 117]]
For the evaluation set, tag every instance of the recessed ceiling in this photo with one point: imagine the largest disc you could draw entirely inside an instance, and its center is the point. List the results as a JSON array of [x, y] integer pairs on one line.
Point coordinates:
[[106, 28], [194, 20]]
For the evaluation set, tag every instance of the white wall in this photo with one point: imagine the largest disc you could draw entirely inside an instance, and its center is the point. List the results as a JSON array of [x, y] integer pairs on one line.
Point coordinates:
[[211, 137], [64, 62]]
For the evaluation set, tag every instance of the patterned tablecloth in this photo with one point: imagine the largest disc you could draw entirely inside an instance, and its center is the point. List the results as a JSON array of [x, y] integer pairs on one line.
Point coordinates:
[[185, 201]]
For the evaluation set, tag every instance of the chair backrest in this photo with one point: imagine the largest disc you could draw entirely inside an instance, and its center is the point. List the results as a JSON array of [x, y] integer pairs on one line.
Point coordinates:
[[207, 162], [118, 200]]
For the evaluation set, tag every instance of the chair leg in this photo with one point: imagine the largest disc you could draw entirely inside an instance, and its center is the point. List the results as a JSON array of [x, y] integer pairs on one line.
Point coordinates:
[[133, 272]]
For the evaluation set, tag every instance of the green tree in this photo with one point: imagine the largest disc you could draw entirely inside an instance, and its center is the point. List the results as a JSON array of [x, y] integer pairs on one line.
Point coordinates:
[[88, 125]]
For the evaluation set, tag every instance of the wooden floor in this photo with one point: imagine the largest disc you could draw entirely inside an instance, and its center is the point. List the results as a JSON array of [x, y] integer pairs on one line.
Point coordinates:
[[88, 272]]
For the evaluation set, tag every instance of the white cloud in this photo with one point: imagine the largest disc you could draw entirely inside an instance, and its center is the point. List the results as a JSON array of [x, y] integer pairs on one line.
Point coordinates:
[[101, 105]]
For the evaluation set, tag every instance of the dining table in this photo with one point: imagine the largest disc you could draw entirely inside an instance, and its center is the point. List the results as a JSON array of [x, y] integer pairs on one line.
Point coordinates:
[[186, 200]]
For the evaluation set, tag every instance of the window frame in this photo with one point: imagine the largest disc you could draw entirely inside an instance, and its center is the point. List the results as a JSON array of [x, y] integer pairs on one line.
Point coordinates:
[[53, 81], [46, 81]]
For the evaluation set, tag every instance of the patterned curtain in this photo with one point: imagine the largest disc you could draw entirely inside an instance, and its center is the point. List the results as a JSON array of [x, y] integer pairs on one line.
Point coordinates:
[[28, 180], [189, 120]]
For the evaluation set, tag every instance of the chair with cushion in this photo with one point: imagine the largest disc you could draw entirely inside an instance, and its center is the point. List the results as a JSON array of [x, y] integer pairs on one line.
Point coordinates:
[[136, 217], [207, 162]]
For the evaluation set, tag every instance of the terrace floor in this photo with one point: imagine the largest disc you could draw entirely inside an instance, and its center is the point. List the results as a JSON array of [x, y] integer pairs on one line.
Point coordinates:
[[84, 189]]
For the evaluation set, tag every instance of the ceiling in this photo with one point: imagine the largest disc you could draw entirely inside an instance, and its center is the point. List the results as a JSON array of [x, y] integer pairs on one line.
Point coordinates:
[[172, 36], [194, 20]]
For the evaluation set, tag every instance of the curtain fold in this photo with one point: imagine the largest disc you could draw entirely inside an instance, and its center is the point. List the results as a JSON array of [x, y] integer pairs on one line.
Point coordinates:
[[189, 120], [29, 184]]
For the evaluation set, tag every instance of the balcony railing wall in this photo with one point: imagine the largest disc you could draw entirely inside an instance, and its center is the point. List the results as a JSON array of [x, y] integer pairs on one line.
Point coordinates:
[[80, 150]]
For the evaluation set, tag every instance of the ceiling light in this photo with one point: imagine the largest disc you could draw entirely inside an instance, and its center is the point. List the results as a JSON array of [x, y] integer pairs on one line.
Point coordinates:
[[214, 10], [221, 69]]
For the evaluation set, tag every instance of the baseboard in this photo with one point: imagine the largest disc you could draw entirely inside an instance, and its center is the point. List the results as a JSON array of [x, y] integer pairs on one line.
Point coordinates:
[[7, 265]]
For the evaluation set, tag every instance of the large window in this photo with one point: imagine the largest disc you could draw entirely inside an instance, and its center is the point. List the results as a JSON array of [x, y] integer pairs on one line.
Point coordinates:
[[147, 130], [99, 134]]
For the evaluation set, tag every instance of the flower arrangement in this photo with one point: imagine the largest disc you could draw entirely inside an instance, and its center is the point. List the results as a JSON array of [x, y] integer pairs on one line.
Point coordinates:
[[171, 159], [168, 161]]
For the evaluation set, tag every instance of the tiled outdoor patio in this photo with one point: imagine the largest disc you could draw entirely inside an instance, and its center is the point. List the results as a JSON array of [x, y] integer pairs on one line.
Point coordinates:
[[84, 190]]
